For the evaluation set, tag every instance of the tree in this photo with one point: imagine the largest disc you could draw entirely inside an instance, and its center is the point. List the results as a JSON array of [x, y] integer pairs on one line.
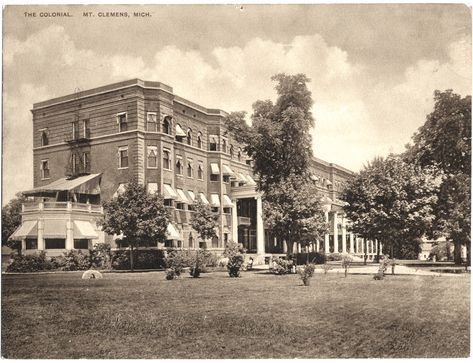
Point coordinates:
[[11, 220], [444, 142], [204, 221], [292, 209], [279, 142], [140, 217], [392, 201]]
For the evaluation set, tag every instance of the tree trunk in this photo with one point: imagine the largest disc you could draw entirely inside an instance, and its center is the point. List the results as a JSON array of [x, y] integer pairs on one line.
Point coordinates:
[[290, 248], [457, 252], [392, 258], [377, 250], [131, 258]]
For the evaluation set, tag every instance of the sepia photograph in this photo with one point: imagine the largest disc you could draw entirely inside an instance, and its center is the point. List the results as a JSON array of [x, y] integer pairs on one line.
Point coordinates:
[[236, 181]]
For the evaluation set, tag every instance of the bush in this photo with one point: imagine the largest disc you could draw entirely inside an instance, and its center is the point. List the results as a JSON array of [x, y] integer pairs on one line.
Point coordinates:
[[143, 259], [235, 255], [28, 263], [171, 274], [346, 262], [100, 256], [334, 257], [281, 266], [75, 260], [306, 272], [441, 251], [314, 258]]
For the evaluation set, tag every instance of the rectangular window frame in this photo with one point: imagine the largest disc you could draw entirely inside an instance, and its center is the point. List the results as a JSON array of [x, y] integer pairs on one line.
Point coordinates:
[[201, 166], [148, 149], [45, 172], [156, 128], [120, 122], [191, 163], [169, 166], [120, 160], [180, 171]]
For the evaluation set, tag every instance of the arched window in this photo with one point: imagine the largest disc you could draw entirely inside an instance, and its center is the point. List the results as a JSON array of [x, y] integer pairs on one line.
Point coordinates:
[[231, 151], [189, 137], [200, 173], [190, 171], [199, 140], [167, 125], [179, 167], [224, 145], [44, 139]]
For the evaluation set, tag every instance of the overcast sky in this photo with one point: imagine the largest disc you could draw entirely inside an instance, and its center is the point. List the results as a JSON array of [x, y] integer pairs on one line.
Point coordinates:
[[374, 68]]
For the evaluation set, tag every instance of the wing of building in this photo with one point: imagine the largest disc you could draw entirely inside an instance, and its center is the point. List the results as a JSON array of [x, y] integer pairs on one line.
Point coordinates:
[[88, 145]]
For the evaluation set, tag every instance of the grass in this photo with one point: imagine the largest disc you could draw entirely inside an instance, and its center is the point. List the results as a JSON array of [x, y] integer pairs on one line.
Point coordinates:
[[259, 315]]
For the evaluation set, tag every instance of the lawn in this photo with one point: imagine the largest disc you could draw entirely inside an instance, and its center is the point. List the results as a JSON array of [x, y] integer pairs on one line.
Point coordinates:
[[142, 315]]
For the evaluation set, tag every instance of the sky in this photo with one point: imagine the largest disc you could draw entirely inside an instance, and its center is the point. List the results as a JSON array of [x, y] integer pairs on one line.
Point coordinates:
[[373, 68]]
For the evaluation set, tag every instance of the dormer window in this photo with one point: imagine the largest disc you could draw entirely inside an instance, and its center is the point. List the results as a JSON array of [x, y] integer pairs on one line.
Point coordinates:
[[122, 122], [44, 138]]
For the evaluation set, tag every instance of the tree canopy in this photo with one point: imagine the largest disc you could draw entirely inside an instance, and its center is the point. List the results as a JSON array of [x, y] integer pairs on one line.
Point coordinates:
[[204, 220], [391, 200], [139, 216], [11, 220]]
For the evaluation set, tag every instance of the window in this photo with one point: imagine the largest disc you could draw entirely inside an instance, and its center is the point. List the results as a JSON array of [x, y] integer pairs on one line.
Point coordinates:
[[199, 140], [55, 243], [75, 130], [152, 122], [31, 244], [180, 205], [167, 125], [215, 209], [44, 169], [168, 243], [85, 128], [179, 167], [86, 161], [190, 171], [231, 151], [214, 178], [226, 178], [224, 145], [166, 160], [200, 172], [214, 242], [81, 244], [152, 152], [122, 122], [123, 157], [44, 138], [227, 210], [168, 202], [213, 143], [239, 154], [189, 137], [225, 238], [191, 241]]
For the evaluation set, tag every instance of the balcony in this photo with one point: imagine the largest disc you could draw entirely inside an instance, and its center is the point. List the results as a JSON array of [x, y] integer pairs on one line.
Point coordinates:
[[63, 207], [77, 137]]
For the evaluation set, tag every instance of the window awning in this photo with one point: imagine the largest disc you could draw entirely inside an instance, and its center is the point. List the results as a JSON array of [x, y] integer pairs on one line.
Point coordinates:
[[328, 182], [169, 193], [172, 233], [54, 228], [227, 202], [86, 184], [181, 197], [214, 200], [179, 131], [27, 229], [84, 229], [191, 195], [242, 178], [314, 177], [250, 180], [203, 198], [226, 170], [214, 169]]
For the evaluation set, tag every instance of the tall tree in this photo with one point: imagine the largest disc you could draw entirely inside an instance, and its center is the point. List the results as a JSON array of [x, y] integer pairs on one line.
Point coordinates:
[[444, 141], [11, 220], [392, 201], [204, 220], [279, 142], [139, 216]]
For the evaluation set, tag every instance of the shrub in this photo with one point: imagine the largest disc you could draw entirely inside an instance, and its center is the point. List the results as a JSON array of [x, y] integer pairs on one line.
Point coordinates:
[[27, 263], [171, 274], [326, 268], [334, 257], [346, 262], [176, 260], [306, 272], [56, 263], [314, 258], [100, 256], [143, 259], [281, 266], [75, 260], [235, 256]]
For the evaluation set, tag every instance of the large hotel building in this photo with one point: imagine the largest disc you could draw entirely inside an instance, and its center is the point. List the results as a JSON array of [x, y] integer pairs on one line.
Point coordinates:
[[88, 145]]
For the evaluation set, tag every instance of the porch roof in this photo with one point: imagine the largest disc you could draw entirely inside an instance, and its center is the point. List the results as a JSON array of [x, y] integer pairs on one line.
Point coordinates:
[[86, 184]]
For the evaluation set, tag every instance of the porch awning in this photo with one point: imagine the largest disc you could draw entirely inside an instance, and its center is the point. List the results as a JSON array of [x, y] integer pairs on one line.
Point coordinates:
[[27, 229], [214, 169], [172, 233], [181, 197], [54, 228], [84, 229], [226, 170], [179, 131], [169, 193], [214, 200], [86, 184], [227, 202], [203, 198]]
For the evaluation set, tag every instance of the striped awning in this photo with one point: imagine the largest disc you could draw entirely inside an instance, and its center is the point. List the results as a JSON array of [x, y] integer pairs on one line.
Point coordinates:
[[169, 193], [54, 228], [227, 202], [203, 198], [84, 229], [214, 200], [181, 197], [86, 184], [191, 195], [172, 233], [226, 170], [242, 178], [27, 229], [214, 169], [179, 131], [251, 181]]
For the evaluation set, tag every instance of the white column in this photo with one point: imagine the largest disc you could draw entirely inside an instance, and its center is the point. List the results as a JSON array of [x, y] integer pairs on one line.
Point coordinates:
[[284, 246], [40, 235], [362, 246], [234, 221], [69, 235], [380, 248], [335, 233], [317, 244], [259, 227], [344, 235], [326, 237], [352, 247], [23, 245]]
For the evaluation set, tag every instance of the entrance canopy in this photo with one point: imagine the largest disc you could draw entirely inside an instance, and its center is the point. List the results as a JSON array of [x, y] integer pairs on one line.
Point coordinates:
[[86, 184]]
